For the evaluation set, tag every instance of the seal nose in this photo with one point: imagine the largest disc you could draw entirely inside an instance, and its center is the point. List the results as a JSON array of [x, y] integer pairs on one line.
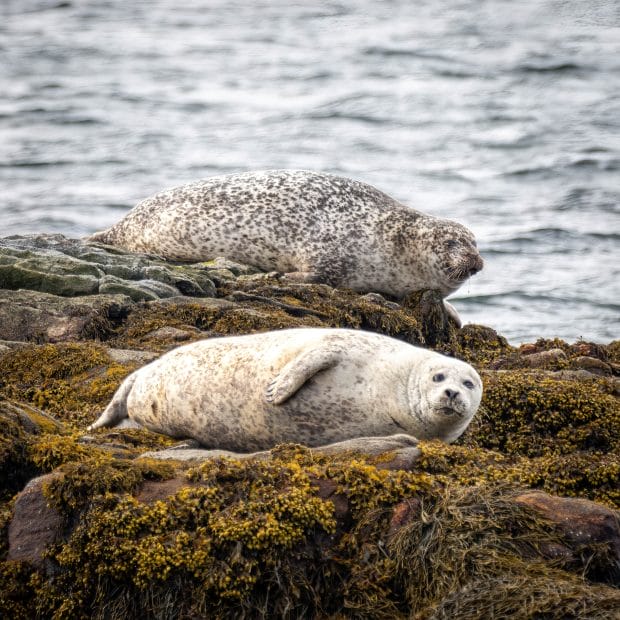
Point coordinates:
[[476, 264], [451, 393]]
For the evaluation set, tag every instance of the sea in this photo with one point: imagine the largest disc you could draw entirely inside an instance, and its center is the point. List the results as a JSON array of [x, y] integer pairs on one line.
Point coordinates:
[[501, 114]]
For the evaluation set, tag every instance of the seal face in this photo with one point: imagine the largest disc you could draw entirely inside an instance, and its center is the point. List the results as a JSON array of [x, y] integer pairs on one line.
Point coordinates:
[[313, 226], [313, 386]]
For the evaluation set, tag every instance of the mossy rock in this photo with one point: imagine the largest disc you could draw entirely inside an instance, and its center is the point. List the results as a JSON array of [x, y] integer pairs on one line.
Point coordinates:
[[532, 415], [328, 306], [593, 476], [298, 536], [67, 267], [72, 381]]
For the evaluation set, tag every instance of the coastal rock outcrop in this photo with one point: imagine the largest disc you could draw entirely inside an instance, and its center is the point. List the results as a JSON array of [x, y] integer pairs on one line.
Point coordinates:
[[519, 518]]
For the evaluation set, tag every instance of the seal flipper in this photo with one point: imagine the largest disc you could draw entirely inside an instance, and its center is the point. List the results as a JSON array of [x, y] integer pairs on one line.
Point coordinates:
[[299, 370], [452, 313], [116, 411]]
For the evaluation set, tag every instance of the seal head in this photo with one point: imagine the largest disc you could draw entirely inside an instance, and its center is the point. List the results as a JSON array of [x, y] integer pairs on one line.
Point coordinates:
[[444, 394]]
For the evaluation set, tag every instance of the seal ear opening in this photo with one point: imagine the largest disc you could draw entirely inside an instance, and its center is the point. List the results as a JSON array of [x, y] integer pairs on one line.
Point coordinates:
[[300, 370]]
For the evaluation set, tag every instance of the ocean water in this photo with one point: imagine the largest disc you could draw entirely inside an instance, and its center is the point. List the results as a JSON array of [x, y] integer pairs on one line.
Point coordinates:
[[502, 115]]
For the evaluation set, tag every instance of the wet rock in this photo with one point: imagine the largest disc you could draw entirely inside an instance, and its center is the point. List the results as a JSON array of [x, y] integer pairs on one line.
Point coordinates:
[[400, 451], [137, 290], [172, 333], [128, 356], [19, 425], [543, 358], [236, 269], [436, 324], [530, 357]]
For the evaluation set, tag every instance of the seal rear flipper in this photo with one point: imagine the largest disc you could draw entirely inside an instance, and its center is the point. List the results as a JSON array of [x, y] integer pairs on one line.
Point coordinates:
[[299, 370], [116, 411]]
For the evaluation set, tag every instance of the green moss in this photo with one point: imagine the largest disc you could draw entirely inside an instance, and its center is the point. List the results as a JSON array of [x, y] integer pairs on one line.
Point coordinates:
[[73, 381]]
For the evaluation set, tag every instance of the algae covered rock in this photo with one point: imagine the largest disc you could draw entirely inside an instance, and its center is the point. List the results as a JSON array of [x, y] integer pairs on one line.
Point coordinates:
[[302, 535], [69, 380], [126, 523], [20, 428]]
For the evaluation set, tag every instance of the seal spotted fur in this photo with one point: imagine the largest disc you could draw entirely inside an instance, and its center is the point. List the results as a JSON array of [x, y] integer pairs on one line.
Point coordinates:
[[313, 386], [313, 226]]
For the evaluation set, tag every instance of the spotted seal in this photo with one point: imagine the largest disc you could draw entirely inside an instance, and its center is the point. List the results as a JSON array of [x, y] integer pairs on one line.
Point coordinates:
[[315, 227], [313, 386]]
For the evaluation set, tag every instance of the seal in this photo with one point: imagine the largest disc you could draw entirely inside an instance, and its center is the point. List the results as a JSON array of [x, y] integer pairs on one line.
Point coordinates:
[[312, 226], [313, 386]]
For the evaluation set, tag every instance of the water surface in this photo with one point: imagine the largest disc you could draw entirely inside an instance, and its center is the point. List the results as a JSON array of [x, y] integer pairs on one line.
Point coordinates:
[[502, 115]]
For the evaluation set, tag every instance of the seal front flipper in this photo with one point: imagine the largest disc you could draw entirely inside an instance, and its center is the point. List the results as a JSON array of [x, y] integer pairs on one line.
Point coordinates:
[[116, 411], [299, 370], [451, 310]]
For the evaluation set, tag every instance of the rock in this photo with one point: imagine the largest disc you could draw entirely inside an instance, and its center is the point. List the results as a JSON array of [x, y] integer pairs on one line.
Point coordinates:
[[354, 523], [220, 263], [198, 455], [376, 298], [543, 359], [592, 364], [138, 290], [436, 325], [42, 317], [400, 451], [127, 356], [68, 267], [34, 525], [592, 531], [172, 333]]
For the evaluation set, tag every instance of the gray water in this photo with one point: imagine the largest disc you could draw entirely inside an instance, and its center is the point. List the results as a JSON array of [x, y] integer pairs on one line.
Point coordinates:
[[503, 115]]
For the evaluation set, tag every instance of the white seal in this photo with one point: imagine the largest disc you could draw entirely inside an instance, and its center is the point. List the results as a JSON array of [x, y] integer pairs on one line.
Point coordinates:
[[311, 386], [312, 226]]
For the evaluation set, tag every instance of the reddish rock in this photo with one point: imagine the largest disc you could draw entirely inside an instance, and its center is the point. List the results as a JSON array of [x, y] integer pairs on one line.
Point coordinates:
[[591, 530], [34, 525], [543, 358], [592, 364], [405, 512]]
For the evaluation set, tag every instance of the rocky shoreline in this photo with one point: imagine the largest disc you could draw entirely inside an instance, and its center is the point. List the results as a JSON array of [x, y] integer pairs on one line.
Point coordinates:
[[519, 518]]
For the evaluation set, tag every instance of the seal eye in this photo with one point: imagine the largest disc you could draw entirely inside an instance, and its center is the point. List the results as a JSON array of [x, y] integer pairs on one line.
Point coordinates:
[[438, 377], [451, 244], [468, 384]]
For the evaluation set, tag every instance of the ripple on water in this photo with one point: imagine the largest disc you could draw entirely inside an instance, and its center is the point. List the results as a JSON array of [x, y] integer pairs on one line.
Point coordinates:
[[504, 120]]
